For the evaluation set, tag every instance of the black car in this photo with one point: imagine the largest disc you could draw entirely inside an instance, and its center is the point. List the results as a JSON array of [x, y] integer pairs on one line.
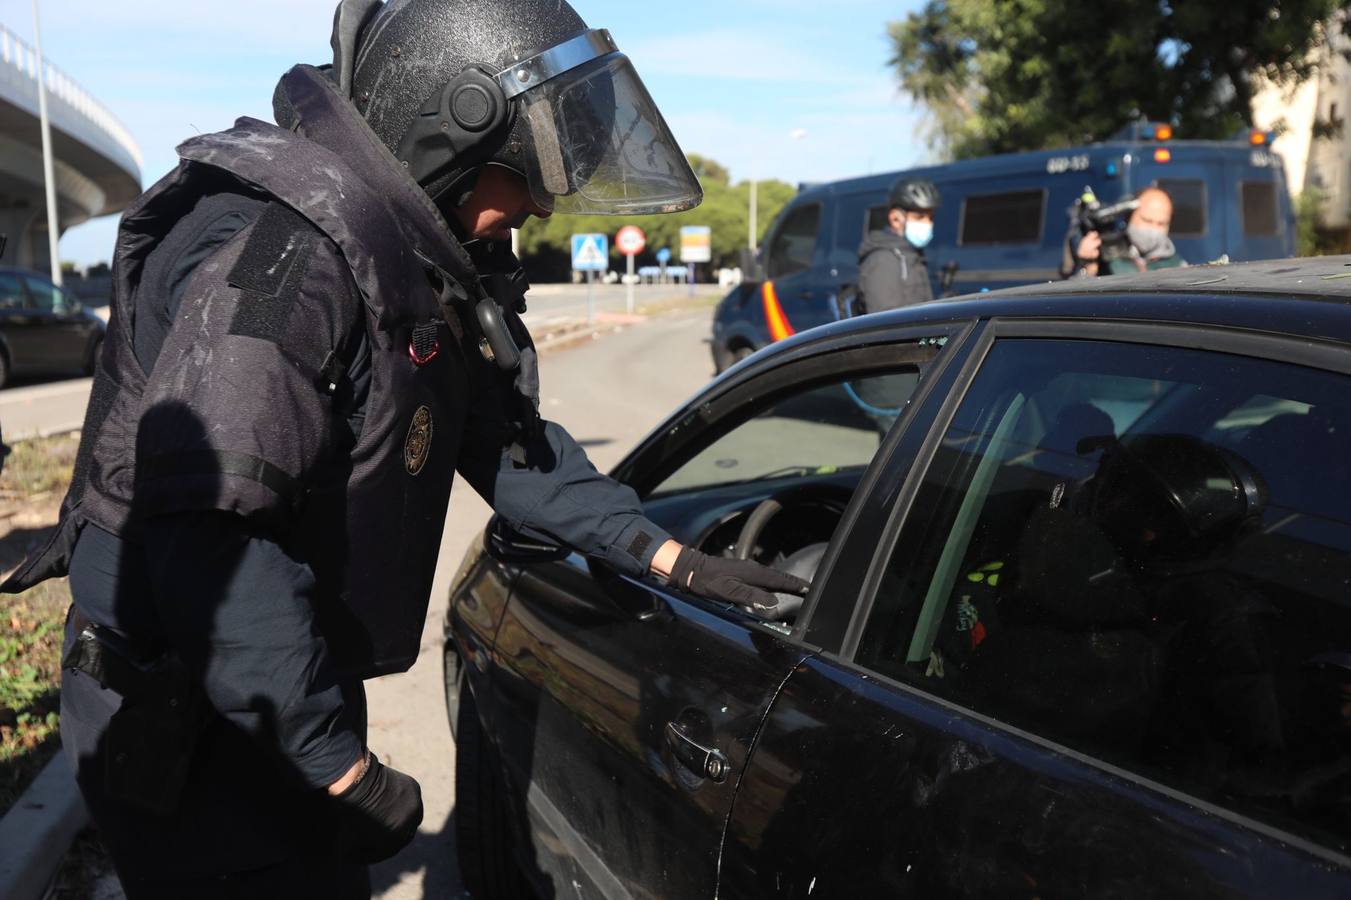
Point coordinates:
[[1080, 623], [43, 329]]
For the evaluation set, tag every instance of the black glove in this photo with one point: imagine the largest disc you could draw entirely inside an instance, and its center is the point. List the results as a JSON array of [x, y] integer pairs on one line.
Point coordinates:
[[379, 814], [740, 581]]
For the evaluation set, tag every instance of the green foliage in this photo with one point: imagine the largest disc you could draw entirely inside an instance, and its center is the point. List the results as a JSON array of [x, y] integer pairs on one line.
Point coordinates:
[[31, 624], [1006, 75], [546, 244], [1309, 238]]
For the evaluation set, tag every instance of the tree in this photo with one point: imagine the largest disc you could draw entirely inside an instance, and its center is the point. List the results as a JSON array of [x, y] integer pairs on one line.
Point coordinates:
[[1005, 75], [546, 244]]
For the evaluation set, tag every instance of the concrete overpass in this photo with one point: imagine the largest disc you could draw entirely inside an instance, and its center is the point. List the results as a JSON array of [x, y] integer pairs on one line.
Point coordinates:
[[98, 165]]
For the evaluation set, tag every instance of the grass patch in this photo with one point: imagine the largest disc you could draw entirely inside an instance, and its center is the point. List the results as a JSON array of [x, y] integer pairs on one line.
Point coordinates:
[[36, 474], [37, 467]]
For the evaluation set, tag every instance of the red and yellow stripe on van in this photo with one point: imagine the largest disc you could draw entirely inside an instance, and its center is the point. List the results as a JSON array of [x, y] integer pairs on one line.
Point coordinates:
[[775, 317]]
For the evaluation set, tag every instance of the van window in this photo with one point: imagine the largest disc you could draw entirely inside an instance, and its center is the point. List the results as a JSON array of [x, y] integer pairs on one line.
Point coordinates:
[[794, 243], [1010, 218], [1259, 208], [1189, 205], [879, 219]]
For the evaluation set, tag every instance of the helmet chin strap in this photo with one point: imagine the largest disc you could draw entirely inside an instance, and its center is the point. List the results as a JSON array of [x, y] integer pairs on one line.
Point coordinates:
[[349, 19]]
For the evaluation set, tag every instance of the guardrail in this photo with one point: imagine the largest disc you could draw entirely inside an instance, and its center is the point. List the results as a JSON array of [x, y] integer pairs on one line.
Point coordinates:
[[19, 54]]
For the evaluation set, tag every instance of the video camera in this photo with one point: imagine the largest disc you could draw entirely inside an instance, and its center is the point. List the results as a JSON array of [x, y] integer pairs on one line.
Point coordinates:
[[1089, 214]]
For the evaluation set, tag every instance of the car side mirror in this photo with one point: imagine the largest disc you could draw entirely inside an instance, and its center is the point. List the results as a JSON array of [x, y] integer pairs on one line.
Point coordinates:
[[752, 272]]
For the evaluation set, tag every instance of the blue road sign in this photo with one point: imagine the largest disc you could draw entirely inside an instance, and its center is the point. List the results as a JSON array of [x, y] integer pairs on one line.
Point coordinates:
[[590, 252], [664, 255]]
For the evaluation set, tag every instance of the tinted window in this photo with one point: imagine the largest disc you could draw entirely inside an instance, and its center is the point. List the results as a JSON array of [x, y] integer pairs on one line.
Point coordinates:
[[1189, 205], [1259, 209], [11, 292], [878, 219], [46, 296], [1012, 218], [1143, 553], [794, 244], [818, 431]]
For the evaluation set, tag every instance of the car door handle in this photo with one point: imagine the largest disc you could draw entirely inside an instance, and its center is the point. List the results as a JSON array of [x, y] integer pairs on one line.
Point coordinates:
[[807, 295], [706, 762]]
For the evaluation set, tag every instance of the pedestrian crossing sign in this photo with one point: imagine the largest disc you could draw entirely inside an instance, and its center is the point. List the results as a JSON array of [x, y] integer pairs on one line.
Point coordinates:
[[590, 252]]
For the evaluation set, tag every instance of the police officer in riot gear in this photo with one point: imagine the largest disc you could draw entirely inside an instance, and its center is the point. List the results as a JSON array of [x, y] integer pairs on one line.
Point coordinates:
[[892, 272], [315, 325]]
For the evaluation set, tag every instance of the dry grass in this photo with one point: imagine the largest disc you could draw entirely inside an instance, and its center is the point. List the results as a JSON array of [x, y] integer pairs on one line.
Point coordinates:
[[35, 476]]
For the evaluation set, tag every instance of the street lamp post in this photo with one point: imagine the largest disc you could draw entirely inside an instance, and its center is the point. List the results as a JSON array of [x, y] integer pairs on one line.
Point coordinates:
[[48, 173]]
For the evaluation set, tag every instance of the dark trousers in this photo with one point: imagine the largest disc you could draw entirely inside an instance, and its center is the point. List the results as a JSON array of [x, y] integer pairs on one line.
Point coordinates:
[[242, 827]]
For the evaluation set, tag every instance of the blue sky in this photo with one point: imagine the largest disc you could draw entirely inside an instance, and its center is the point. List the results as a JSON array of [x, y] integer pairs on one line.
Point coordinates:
[[735, 79]]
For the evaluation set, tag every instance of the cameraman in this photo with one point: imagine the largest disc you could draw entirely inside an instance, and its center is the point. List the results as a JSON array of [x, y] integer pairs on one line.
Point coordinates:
[[1148, 245]]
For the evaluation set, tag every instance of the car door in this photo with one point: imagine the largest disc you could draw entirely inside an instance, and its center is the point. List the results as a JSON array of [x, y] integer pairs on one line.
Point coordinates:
[[624, 711], [1103, 648], [60, 333], [19, 323]]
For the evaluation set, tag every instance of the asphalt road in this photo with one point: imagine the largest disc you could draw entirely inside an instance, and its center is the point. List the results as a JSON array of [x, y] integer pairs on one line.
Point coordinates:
[[609, 393], [38, 409]]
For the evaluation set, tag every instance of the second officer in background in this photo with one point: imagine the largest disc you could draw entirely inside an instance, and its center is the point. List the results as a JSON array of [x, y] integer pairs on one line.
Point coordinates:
[[892, 271]]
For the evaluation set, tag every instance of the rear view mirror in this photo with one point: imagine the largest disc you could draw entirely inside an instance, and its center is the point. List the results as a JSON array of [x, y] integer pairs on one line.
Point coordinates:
[[751, 270]]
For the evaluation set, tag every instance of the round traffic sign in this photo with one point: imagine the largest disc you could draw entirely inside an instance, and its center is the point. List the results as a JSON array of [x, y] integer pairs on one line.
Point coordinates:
[[630, 241]]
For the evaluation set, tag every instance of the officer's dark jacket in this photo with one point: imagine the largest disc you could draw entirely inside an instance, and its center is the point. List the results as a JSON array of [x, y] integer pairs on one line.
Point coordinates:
[[891, 272], [250, 407]]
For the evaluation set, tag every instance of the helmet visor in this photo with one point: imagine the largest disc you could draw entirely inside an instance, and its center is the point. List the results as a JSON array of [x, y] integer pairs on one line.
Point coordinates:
[[597, 145]]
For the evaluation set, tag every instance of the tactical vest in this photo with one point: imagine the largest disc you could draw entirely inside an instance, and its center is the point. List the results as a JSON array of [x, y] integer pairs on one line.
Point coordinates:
[[368, 518]]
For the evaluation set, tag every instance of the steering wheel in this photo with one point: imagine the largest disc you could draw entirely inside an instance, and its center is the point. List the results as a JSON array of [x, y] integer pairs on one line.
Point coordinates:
[[802, 563]]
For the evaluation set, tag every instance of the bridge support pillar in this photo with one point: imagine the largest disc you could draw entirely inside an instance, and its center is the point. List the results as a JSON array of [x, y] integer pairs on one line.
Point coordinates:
[[26, 228]]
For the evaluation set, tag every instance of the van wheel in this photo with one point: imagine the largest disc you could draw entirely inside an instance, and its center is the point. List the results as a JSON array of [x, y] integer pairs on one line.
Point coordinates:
[[483, 837], [740, 353], [4, 369]]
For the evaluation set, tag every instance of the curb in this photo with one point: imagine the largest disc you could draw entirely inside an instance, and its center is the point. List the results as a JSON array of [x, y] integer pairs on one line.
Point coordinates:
[[563, 335], [38, 830]]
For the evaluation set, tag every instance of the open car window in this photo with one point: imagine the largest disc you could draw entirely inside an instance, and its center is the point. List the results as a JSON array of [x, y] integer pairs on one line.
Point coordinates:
[[821, 430], [1143, 553]]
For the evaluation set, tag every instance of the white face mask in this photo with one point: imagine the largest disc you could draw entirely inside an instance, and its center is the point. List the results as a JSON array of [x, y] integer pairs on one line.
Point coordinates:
[[919, 233], [1146, 239]]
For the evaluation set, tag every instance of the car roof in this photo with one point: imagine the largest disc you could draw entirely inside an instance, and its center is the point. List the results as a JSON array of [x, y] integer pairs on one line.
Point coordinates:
[[1305, 298], [1323, 278]]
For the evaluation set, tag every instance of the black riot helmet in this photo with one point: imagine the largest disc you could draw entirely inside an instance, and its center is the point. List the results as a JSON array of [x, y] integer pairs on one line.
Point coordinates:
[[915, 194], [451, 86]]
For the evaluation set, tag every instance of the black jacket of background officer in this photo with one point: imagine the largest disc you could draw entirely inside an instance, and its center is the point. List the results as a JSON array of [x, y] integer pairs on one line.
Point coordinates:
[[891, 272], [891, 268]]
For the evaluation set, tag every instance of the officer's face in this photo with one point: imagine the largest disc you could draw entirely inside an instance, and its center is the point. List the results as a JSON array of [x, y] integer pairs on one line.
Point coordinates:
[[500, 202], [899, 217]]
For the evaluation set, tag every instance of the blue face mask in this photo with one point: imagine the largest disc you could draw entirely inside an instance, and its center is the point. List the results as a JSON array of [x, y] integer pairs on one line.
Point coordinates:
[[919, 233]]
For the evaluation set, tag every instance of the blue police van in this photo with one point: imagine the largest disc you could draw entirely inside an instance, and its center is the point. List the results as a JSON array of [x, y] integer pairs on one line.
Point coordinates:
[[1003, 223]]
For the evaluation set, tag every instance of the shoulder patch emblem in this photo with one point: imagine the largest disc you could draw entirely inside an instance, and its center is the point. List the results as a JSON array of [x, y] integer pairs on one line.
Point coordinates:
[[419, 443]]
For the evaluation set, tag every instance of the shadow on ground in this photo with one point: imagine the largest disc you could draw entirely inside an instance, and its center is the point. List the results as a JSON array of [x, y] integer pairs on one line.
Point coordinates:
[[432, 855]]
